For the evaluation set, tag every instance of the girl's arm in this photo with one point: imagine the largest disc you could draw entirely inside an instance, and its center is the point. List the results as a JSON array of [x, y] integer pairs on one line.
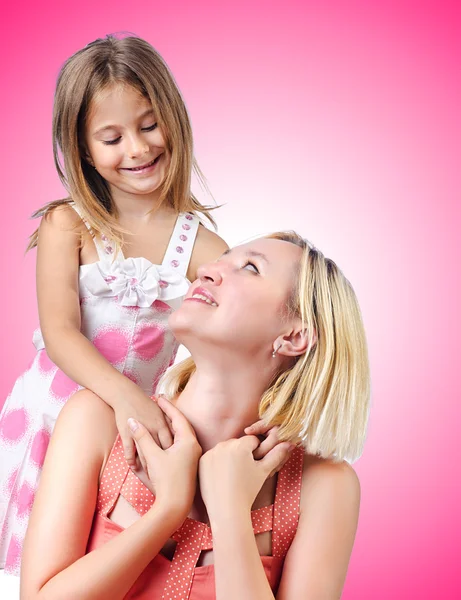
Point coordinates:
[[54, 563], [208, 247], [60, 240]]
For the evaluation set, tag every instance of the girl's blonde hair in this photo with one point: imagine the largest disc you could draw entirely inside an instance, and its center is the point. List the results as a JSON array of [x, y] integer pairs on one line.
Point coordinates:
[[104, 62], [322, 400]]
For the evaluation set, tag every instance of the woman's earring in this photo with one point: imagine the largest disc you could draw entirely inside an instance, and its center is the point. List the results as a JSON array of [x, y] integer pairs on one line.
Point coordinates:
[[274, 353]]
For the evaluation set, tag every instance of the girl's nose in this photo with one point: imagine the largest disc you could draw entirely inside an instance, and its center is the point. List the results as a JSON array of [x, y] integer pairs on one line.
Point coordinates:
[[137, 147]]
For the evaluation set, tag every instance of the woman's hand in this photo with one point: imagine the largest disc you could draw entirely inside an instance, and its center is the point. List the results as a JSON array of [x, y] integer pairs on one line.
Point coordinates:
[[231, 478], [136, 404], [172, 472]]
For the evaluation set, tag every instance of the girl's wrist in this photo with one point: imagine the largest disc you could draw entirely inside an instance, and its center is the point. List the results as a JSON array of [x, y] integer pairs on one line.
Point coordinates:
[[119, 390]]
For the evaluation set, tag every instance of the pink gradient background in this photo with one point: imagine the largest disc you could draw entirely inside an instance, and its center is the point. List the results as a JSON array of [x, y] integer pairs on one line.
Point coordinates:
[[341, 119]]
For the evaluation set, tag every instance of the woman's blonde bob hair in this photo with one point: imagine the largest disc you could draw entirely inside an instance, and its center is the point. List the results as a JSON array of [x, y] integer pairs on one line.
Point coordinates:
[[322, 400], [105, 62]]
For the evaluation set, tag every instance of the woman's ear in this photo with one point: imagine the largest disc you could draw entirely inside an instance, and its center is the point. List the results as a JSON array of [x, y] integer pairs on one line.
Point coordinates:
[[295, 342]]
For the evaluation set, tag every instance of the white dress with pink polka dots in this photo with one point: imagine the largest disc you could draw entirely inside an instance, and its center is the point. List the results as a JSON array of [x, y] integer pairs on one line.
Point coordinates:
[[125, 304]]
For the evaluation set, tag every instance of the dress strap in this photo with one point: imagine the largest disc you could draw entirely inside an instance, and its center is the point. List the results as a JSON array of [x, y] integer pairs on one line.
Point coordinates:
[[101, 248], [112, 480], [286, 504], [181, 244]]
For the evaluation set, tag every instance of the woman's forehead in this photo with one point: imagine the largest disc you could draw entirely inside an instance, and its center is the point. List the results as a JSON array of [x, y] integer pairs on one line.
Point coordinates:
[[270, 250]]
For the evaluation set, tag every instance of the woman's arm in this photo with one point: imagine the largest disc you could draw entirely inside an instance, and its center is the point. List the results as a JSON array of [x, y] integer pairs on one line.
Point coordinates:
[[230, 480], [316, 564], [239, 572], [59, 243], [54, 564]]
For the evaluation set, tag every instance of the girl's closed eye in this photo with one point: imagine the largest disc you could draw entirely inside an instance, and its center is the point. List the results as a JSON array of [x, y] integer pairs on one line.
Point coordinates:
[[112, 142], [116, 140], [150, 128], [253, 269]]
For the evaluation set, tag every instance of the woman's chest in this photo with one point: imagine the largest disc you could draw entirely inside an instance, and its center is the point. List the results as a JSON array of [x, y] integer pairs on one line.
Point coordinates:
[[125, 514]]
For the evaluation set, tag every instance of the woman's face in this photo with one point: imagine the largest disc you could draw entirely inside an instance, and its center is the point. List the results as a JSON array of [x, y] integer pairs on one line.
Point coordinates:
[[240, 300]]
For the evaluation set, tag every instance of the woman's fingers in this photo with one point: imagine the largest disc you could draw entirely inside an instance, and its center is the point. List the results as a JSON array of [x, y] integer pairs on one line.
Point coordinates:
[[250, 441]]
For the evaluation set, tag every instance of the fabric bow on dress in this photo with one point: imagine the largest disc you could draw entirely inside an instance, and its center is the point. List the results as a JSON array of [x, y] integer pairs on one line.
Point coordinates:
[[134, 281]]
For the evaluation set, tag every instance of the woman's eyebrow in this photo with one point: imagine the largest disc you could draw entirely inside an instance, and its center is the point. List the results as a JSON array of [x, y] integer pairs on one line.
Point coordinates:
[[256, 254], [252, 253]]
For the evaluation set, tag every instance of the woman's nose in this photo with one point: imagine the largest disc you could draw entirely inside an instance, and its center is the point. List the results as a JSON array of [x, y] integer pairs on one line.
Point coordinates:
[[210, 272]]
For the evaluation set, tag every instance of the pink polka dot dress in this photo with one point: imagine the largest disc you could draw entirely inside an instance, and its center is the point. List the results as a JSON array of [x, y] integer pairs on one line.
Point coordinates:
[[181, 578], [125, 304]]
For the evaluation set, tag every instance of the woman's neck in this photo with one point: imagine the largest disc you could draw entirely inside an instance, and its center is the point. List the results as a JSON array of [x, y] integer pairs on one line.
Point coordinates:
[[220, 402]]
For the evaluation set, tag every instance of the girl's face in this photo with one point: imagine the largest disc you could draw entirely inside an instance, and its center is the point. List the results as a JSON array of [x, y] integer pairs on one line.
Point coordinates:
[[124, 143], [240, 300]]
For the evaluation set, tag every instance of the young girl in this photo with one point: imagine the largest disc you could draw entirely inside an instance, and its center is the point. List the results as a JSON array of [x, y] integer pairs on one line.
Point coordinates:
[[273, 327], [113, 260]]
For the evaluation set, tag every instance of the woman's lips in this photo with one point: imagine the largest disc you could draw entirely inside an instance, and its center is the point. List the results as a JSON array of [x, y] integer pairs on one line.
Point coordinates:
[[202, 295]]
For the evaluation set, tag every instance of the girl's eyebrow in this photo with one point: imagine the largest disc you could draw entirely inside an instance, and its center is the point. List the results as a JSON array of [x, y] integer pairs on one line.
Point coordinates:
[[146, 113]]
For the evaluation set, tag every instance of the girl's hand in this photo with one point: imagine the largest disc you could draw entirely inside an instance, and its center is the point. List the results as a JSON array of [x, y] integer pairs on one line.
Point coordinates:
[[172, 472], [231, 478], [136, 404], [271, 439]]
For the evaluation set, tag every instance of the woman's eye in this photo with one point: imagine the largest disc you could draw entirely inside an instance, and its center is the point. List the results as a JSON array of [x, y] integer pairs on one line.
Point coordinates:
[[251, 267], [150, 128], [112, 142]]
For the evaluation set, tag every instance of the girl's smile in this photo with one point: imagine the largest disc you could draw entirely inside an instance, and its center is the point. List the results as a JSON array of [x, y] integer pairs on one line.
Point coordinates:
[[145, 168]]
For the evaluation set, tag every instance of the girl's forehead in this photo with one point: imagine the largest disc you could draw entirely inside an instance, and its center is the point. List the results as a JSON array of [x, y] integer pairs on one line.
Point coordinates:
[[117, 99]]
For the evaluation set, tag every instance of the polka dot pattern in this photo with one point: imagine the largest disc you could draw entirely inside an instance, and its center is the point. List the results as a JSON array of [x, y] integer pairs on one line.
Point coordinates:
[[286, 505], [13, 426], [193, 536], [136, 340]]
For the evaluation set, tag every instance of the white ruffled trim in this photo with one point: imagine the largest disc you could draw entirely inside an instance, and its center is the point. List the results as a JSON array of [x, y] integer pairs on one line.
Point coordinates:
[[134, 281]]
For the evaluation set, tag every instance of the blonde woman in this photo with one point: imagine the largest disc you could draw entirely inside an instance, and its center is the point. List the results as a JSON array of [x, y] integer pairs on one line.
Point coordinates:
[[274, 330]]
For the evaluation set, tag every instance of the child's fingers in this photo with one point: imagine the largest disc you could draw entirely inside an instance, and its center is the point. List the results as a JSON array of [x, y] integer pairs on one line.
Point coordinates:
[[259, 428], [140, 460], [273, 461], [165, 437], [179, 423], [267, 444], [145, 443], [129, 449]]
